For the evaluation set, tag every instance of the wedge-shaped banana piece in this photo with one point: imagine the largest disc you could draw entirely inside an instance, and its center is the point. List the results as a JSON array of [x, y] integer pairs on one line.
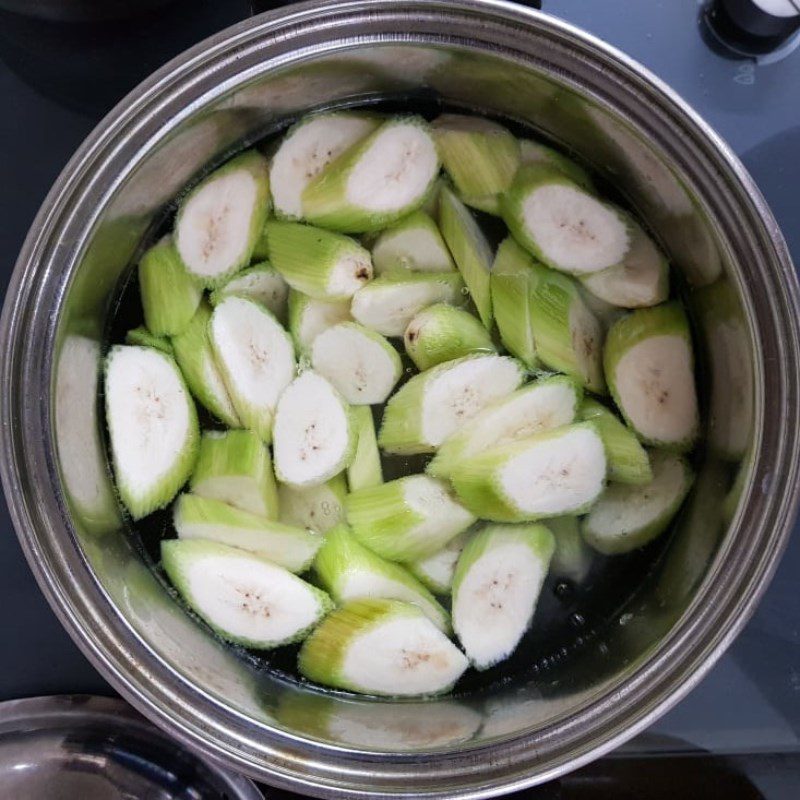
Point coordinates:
[[536, 153], [408, 518], [365, 470], [195, 357], [480, 156], [572, 558], [415, 244], [563, 225], [235, 467], [221, 219], [436, 570], [152, 424], [384, 177], [496, 588], [381, 647], [349, 571], [308, 148], [319, 508], [143, 338], [359, 362], [628, 517], [262, 283], [288, 546], [558, 472], [539, 406], [441, 333], [628, 461], [309, 317], [256, 358], [322, 264], [314, 434], [436, 403], [389, 303], [170, 296], [649, 367], [471, 251], [243, 597]]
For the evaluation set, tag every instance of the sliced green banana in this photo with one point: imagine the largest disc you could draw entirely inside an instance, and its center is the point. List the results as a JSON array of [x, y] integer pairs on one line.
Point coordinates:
[[436, 570], [436, 403], [470, 249], [384, 177], [441, 333], [479, 155], [195, 357], [496, 588], [309, 317], [262, 283], [244, 598], [319, 508], [314, 434], [628, 461], [256, 359], [169, 295], [649, 366], [564, 226], [540, 406], [235, 467], [415, 244], [307, 149], [152, 424], [365, 470], [536, 153], [359, 362], [221, 219], [628, 517], [288, 546], [389, 303], [322, 264], [143, 338], [551, 474], [406, 519], [488, 203], [381, 647], [348, 571], [572, 558]]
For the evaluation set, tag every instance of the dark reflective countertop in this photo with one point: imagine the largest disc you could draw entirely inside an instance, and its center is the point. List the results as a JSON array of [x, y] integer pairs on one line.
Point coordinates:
[[735, 736]]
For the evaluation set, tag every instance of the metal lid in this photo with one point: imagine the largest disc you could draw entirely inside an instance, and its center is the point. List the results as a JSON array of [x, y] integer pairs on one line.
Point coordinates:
[[98, 748]]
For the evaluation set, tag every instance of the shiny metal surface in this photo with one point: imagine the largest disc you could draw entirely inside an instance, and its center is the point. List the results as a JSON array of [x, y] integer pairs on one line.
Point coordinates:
[[96, 748], [659, 636]]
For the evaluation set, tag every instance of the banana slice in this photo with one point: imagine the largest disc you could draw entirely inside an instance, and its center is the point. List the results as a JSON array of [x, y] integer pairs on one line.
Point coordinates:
[[649, 367], [314, 434], [262, 283], [322, 264], [220, 220], [309, 317], [244, 598], [628, 517], [235, 467], [436, 571], [552, 474], [152, 425], [359, 362], [415, 244], [256, 358], [143, 338], [307, 149], [537, 153], [572, 558], [290, 547], [319, 508], [348, 571], [384, 177], [381, 647], [389, 303], [540, 406], [365, 469], [496, 587], [564, 226], [434, 404], [441, 333], [406, 519]]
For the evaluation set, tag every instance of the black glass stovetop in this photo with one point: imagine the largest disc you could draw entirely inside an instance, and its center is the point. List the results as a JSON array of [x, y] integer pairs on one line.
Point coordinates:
[[737, 735]]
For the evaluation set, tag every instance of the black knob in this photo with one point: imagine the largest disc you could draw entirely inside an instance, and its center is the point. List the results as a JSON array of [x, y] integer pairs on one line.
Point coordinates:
[[752, 27]]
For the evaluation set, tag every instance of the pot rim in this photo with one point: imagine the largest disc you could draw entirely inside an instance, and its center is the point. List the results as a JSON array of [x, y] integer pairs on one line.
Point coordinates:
[[722, 604]]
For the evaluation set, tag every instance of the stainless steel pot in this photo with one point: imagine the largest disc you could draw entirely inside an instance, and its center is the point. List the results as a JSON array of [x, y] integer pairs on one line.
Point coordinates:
[[652, 630]]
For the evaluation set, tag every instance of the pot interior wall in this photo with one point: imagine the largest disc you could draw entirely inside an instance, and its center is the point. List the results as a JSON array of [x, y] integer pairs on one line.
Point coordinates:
[[588, 635]]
